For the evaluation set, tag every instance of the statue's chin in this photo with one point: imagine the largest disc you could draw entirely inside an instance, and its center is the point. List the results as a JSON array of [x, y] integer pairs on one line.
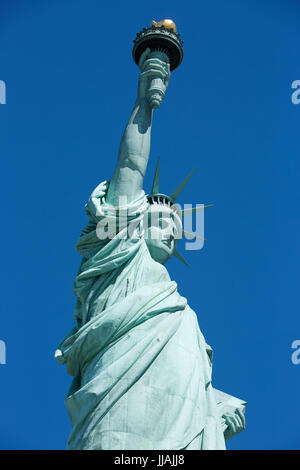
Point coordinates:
[[159, 251]]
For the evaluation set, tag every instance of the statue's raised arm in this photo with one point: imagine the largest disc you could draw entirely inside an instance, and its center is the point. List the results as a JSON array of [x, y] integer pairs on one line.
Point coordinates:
[[128, 176]]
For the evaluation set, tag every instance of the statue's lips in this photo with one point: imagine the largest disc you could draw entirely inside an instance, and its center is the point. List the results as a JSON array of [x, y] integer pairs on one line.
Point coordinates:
[[167, 242]]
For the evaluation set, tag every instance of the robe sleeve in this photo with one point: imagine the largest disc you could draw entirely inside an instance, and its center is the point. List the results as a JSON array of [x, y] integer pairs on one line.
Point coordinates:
[[107, 222]]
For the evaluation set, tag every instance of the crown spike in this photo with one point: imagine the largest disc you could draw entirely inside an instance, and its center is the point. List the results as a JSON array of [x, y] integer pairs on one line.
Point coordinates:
[[178, 190], [184, 212], [155, 186], [192, 235], [180, 257]]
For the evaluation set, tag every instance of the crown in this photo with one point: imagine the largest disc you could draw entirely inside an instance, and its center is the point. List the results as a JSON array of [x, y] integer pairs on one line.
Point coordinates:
[[169, 203]]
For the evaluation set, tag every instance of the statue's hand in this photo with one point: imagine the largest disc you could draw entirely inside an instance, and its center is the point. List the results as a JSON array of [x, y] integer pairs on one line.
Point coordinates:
[[152, 68], [235, 423]]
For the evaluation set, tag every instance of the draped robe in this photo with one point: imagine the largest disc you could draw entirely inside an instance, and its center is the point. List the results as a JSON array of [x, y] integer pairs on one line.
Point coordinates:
[[141, 366]]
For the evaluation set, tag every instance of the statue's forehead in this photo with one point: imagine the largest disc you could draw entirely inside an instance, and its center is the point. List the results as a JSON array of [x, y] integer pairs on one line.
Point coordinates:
[[157, 210]]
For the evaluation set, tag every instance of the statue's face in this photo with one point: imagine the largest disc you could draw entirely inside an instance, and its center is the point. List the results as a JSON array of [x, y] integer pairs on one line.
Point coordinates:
[[160, 234]]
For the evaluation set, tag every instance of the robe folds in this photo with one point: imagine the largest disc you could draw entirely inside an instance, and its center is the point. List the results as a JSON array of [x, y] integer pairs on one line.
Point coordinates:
[[141, 366]]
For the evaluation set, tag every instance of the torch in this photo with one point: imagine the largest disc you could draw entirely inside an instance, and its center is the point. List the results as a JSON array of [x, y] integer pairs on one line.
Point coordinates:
[[165, 44]]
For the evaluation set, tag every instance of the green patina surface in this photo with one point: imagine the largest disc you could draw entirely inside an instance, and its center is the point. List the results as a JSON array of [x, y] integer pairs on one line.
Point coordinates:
[[141, 366]]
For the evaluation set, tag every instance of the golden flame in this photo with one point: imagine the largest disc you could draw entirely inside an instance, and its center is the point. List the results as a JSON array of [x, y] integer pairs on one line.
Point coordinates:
[[169, 24]]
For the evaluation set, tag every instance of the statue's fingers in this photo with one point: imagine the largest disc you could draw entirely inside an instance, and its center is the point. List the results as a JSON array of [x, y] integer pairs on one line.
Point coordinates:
[[230, 421], [239, 423], [227, 419], [167, 79], [165, 68], [153, 73], [242, 418], [143, 57], [234, 424], [156, 67], [153, 62], [169, 71]]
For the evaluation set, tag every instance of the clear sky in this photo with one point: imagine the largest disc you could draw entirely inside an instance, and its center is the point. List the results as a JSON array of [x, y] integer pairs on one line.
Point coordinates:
[[71, 83]]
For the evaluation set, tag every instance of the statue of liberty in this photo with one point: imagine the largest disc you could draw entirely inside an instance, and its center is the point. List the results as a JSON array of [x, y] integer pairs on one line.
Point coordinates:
[[141, 366]]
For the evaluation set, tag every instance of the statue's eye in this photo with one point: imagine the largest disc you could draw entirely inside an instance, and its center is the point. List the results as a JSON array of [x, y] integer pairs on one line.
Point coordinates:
[[163, 223]]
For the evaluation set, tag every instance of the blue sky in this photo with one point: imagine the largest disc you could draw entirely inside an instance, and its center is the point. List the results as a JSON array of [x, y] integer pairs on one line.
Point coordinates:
[[71, 83]]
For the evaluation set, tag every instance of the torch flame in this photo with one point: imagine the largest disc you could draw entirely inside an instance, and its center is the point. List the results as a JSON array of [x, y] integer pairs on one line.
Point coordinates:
[[169, 24]]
